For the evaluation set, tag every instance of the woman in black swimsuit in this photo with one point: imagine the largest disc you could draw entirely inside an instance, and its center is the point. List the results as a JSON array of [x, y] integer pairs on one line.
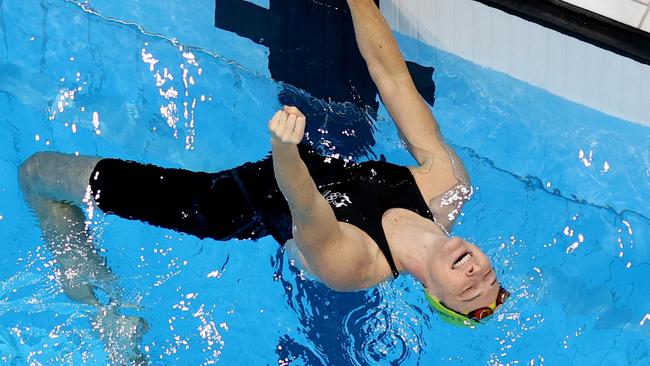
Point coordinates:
[[353, 225]]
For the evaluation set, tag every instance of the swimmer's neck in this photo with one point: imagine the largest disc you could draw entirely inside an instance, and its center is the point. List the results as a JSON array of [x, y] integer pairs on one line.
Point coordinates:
[[414, 250]]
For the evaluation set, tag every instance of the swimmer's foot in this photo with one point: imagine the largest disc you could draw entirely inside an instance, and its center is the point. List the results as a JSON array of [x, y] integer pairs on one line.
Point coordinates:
[[121, 336]]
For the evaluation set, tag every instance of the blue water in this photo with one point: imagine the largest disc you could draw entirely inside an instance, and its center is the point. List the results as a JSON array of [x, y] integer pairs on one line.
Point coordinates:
[[561, 205]]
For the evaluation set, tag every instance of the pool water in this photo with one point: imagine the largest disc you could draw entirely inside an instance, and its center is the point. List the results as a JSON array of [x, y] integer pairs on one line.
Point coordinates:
[[561, 205]]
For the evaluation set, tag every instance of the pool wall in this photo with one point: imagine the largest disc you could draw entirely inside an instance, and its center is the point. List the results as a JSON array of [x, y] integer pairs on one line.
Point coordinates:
[[563, 65]]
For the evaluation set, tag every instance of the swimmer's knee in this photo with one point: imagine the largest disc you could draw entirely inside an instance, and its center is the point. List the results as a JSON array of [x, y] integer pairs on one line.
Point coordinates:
[[44, 171], [29, 169], [56, 176], [34, 166]]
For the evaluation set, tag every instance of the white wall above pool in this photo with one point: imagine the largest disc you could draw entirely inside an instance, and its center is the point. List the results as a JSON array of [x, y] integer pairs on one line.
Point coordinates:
[[562, 65]]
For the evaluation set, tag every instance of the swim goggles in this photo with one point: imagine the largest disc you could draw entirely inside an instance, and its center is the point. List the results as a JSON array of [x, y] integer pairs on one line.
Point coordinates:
[[470, 319]]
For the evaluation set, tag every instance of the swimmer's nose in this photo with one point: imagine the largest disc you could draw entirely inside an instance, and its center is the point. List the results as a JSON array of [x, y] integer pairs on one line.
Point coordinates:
[[472, 268]]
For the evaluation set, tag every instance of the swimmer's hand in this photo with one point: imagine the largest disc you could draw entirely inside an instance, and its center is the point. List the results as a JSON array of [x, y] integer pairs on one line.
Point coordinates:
[[287, 126]]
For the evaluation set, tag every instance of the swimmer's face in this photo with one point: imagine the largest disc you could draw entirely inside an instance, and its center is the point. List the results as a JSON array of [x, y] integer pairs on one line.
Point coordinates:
[[462, 276]]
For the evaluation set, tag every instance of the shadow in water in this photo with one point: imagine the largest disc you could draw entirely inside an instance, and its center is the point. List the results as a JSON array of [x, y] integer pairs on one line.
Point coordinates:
[[312, 48], [324, 319]]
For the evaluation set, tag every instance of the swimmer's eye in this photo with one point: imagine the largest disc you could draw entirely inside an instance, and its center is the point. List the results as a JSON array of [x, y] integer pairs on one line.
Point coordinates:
[[489, 274]]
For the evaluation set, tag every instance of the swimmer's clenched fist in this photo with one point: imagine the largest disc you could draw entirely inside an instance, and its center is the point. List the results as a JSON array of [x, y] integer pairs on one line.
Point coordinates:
[[287, 126]]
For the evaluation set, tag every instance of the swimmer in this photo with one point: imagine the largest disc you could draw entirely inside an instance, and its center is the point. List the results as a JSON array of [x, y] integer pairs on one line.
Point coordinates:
[[354, 225]]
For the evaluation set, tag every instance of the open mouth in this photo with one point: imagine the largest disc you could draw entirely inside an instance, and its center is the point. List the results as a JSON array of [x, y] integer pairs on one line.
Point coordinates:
[[462, 259]]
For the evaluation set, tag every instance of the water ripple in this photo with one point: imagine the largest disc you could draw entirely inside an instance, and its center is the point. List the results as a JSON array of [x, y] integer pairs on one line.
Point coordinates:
[[85, 7], [390, 332]]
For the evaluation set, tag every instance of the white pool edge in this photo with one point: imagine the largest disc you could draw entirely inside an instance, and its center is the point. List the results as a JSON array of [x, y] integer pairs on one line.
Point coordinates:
[[562, 65]]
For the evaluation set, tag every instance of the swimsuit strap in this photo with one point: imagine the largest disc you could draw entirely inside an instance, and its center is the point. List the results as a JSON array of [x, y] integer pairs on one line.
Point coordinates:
[[391, 263], [360, 193]]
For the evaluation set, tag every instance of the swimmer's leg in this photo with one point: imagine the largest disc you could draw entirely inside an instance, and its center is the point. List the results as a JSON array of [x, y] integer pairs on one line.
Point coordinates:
[[54, 185]]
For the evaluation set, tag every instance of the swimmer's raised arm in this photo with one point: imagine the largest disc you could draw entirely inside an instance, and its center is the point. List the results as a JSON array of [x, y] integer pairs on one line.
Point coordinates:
[[297, 186], [317, 233], [411, 114]]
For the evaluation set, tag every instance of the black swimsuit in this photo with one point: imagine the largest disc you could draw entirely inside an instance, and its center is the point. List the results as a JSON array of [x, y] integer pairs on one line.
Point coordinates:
[[246, 203]]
